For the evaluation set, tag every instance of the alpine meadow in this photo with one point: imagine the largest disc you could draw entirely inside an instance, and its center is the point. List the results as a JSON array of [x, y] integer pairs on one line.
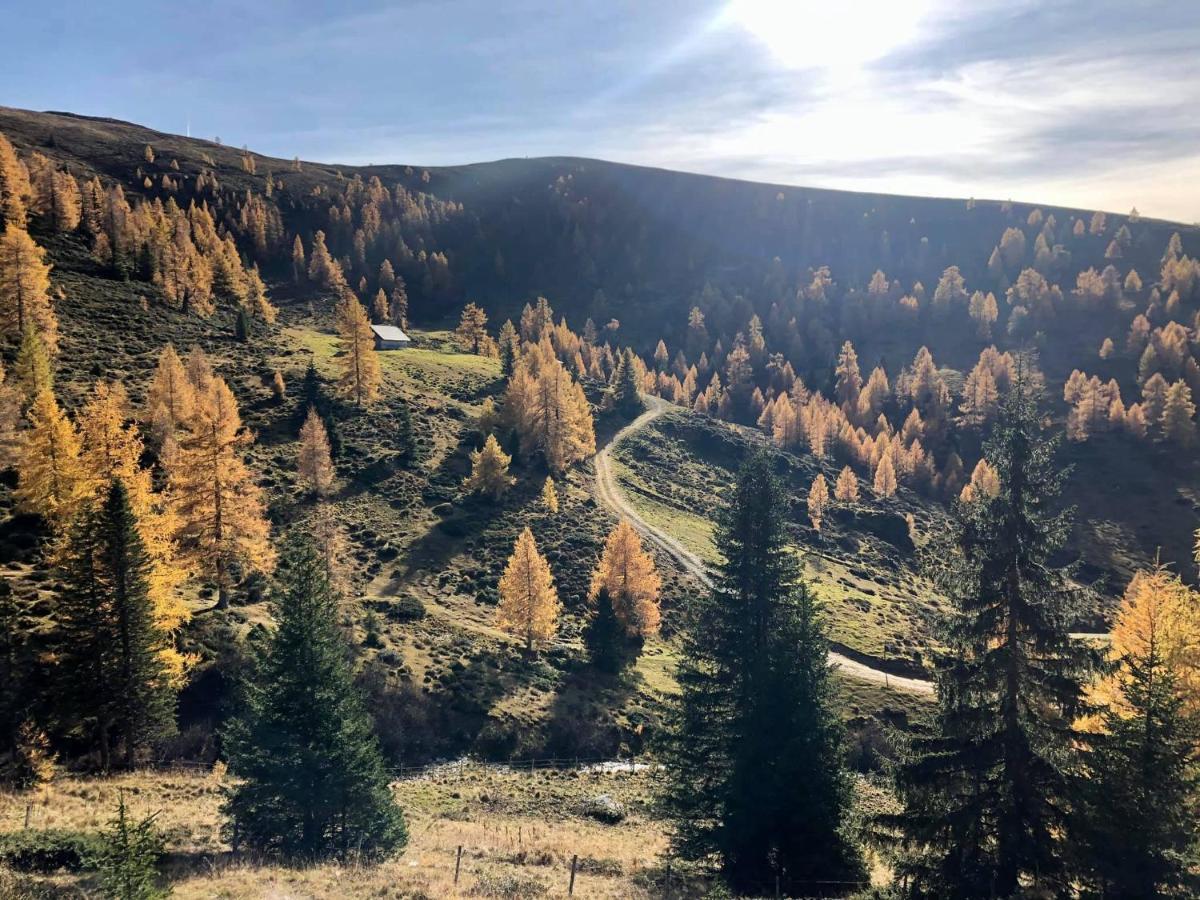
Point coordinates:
[[561, 527]]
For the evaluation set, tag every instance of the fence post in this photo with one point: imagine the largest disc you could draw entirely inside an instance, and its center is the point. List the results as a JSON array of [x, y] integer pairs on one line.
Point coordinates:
[[457, 863], [574, 863], [28, 812]]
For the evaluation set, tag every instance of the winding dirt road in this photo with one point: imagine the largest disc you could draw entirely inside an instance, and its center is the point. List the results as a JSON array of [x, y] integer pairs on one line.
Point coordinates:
[[609, 493]]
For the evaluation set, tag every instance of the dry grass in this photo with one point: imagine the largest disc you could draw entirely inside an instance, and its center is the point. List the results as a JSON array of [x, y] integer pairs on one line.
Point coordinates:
[[518, 833]]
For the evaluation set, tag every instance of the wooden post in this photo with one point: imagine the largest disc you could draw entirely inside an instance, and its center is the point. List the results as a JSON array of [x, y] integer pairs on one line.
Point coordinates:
[[457, 863], [574, 863], [28, 812]]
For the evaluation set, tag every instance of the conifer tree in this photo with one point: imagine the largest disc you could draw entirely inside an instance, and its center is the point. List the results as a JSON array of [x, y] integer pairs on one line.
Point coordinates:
[[313, 460], [34, 369], [550, 496], [885, 477], [400, 304], [604, 637], [623, 395], [15, 189], [299, 267], [529, 604], [988, 787], [312, 777], [489, 470], [627, 573], [10, 419], [381, 312], [114, 680], [171, 397], [753, 751], [1142, 781], [846, 490], [50, 479], [509, 345], [25, 288], [472, 328], [128, 862], [1178, 425], [217, 503], [818, 499], [361, 375]]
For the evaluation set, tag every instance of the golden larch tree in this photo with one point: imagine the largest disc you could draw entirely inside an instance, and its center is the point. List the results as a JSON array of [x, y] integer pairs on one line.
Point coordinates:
[[627, 571], [33, 371], [472, 328], [818, 500], [361, 374], [50, 479], [15, 189], [846, 489], [1158, 612], [171, 397], [112, 449], [313, 459], [489, 470], [25, 288], [219, 507], [550, 496], [1178, 414], [529, 604], [885, 477]]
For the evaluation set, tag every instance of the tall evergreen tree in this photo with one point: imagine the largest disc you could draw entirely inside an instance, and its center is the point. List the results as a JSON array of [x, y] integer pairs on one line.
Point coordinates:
[[604, 637], [1140, 822], [988, 787], [116, 684], [623, 393], [754, 749], [313, 782]]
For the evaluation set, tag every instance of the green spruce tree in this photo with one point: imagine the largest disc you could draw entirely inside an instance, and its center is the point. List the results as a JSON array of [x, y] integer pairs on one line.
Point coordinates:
[[989, 787], [754, 748], [605, 636], [128, 861], [623, 393], [1140, 822], [312, 778], [116, 688]]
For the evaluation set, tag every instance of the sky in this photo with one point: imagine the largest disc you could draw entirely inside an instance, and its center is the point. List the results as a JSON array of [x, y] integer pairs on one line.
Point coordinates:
[[1088, 103]]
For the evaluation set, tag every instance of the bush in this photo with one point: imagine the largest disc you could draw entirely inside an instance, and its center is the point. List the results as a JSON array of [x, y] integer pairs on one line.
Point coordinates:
[[50, 850], [604, 809], [407, 608]]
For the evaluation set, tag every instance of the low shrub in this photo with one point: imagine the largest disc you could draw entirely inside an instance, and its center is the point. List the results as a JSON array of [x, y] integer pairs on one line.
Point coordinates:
[[50, 850]]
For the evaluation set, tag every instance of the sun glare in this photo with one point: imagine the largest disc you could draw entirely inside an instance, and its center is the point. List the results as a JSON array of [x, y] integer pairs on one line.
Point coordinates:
[[829, 34]]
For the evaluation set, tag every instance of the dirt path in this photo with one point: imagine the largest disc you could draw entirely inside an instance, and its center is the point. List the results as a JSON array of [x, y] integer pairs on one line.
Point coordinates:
[[609, 493]]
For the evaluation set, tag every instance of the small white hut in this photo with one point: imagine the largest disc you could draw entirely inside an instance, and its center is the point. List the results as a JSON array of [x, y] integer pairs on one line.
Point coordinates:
[[389, 337]]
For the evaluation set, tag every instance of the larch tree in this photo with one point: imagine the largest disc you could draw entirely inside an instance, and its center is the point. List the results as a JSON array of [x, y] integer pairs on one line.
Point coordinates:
[[50, 479], [529, 605], [110, 651], [381, 310], [312, 780], [848, 377], [33, 371], [299, 267], [25, 288], [550, 496], [988, 787], [313, 460], [361, 374], [10, 421], [15, 189], [818, 500], [753, 746], [1178, 415], [219, 508], [846, 489], [489, 470], [885, 477], [627, 572], [472, 328], [1142, 778], [171, 397]]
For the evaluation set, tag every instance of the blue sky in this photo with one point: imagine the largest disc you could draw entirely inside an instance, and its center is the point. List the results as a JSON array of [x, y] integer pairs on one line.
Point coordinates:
[[1094, 104]]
